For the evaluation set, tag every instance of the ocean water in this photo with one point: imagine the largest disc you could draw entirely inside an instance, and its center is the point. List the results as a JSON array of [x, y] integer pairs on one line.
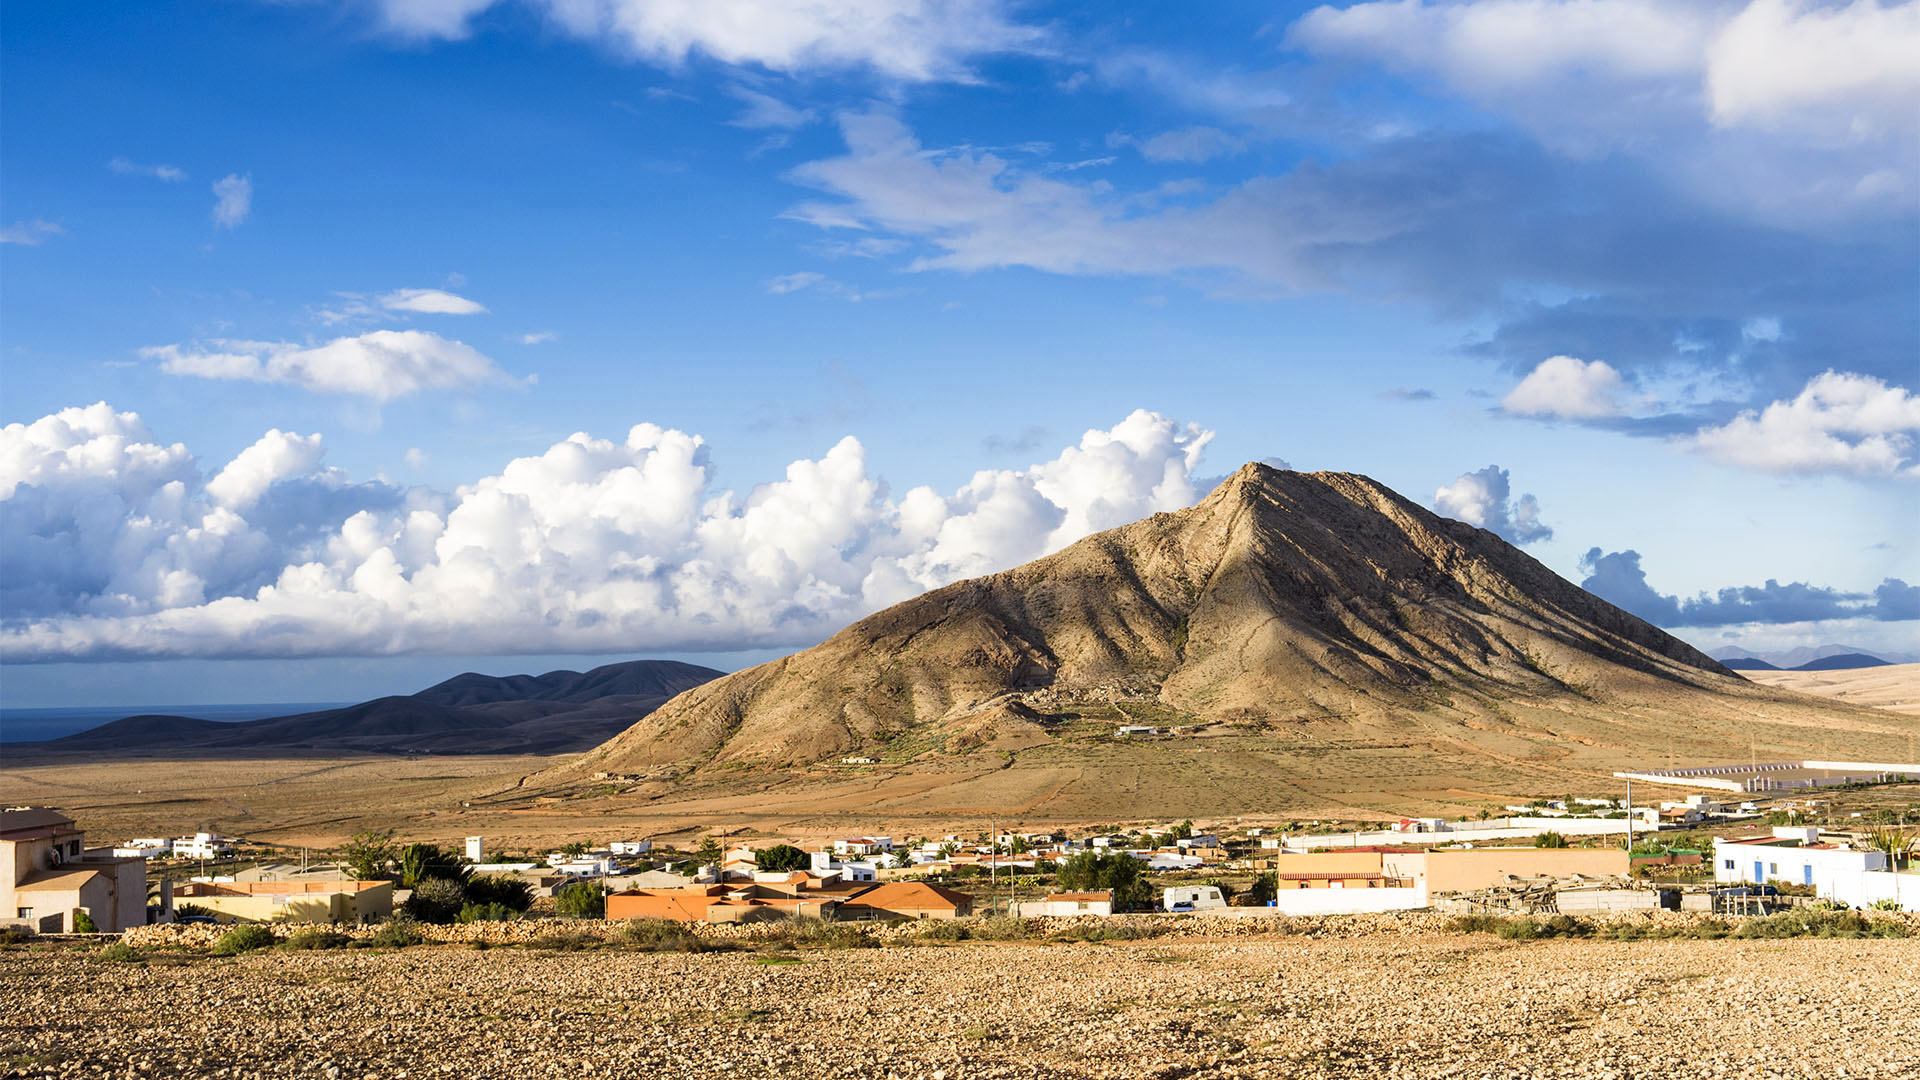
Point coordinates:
[[34, 725]]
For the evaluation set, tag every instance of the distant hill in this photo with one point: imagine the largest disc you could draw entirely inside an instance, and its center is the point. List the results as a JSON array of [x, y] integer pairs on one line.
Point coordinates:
[[1292, 626], [1804, 657], [1843, 662], [559, 712], [1748, 663]]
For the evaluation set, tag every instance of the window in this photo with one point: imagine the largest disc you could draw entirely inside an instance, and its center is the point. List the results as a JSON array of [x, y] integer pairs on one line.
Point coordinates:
[[25, 913], [1773, 868], [1729, 864]]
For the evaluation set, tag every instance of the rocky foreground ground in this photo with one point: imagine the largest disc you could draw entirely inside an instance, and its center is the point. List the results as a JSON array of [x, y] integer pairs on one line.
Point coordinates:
[[1409, 1002]]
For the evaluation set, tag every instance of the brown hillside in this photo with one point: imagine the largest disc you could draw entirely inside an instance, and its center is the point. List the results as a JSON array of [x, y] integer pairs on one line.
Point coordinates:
[[1306, 606]]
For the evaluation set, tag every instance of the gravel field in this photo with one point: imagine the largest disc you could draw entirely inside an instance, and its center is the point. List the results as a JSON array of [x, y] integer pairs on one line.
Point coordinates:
[[1416, 1003]]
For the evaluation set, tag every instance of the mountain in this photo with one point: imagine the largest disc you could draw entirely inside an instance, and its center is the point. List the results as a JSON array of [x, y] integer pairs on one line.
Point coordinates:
[[1747, 663], [1306, 610], [1802, 657], [559, 712], [1842, 662]]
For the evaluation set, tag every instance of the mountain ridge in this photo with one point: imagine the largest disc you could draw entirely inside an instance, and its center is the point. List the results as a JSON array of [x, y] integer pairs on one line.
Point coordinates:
[[1280, 599], [471, 713]]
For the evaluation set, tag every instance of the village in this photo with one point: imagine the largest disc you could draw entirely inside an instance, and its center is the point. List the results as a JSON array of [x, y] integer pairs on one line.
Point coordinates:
[[1760, 843]]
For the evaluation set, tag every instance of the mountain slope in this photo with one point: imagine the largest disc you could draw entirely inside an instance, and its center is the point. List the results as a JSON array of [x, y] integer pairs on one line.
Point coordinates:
[[1323, 603], [559, 712]]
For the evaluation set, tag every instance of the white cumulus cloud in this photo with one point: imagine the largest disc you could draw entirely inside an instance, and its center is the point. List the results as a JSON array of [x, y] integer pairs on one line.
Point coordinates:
[[1484, 499], [1840, 422], [383, 364], [1568, 387], [232, 200], [116, 546], [126, 167], [916, 40]]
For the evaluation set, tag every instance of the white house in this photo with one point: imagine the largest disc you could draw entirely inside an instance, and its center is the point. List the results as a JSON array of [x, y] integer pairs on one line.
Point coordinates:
[[1167, 860], [590, 865], [1128, 730], [1192, 898], [630, 847], [1790, 857], [1203, 840], [863, 845], [146, 847], [823, 863], [476, 849], [204, 845]]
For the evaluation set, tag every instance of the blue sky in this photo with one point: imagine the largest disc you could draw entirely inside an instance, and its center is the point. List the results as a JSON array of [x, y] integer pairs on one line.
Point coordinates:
[[1632, 283]]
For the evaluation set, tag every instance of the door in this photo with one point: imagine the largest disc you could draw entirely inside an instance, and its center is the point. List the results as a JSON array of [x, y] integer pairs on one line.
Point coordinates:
[[1806, 873], [1759, 876]]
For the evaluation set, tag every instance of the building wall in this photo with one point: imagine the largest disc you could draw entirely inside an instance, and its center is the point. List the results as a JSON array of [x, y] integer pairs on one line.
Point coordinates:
[[1757, 864], [1484, 868], [1862, 888], [1329, 862], [1346, 901], [303, 907]]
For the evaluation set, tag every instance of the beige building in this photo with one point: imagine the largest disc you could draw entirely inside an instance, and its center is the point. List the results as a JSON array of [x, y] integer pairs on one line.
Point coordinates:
[[1457, 870], [345, 902], [53, 877]]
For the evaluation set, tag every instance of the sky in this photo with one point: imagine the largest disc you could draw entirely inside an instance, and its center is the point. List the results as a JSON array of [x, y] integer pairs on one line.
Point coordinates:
[[348, 345]]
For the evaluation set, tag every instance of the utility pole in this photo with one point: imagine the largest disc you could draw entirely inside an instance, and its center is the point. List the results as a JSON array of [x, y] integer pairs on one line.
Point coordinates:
[[1629, 826]]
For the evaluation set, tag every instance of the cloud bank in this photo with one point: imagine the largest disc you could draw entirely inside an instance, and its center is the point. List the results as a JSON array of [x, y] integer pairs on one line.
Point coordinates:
[[1617, 578], [117, 545], [911, 40]]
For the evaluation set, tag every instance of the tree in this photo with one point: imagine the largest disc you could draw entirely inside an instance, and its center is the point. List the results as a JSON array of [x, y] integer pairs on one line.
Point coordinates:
[[1094, 871], [781, 858], [709, 853], [581, 900], [368, 854], [419, 862], [1264, 888], [506, 892], [1550, 840], [1019, 846]]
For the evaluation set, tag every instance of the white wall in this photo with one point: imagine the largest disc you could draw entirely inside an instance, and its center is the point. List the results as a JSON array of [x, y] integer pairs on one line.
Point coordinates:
[[1859, 889], [1341, 901]]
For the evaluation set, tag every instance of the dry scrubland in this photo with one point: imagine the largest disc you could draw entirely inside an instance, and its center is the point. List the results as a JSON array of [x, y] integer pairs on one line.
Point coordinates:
[[1895, 687], [1336, 998]]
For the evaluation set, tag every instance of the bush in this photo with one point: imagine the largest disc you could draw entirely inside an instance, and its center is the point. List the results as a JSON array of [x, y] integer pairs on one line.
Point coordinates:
[[507, 892], [316, 939], [1889, 904], [83, 923], [581, 900], [398, 932], [1550, 840], [14, 935], [1830, 924], [121, 953], [565, 941], [1094, 871], [436, 900], [493, 912], [819, 934], [661, 935], [243, 938], [1520, 927]]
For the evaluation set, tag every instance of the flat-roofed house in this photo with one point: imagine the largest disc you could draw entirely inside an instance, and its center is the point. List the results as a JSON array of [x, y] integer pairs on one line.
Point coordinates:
[[51, 877], [343, 902]]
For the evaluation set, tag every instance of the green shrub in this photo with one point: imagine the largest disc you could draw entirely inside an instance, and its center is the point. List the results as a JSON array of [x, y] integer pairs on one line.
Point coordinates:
[[398, 932], [120, 952], [490, 912], [243, 938], [508, 892], [581, 900], [316, 939], [436, 900], [818, 934], [1550, 840], [1889, 904], [1521, 929], [83, 923], [14, 935], [661, 935]]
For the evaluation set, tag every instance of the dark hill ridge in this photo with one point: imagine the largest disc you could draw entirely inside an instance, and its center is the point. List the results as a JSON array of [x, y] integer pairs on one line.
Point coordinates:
[[1316, 606], [559, 712], [1842, 662]]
